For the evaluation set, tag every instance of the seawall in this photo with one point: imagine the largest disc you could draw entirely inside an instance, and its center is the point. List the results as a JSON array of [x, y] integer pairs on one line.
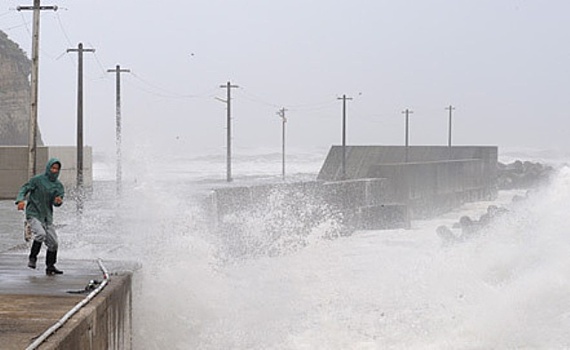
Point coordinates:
[[358, 204], [31, 303], [14, 167], [375, 187], [429, 180]]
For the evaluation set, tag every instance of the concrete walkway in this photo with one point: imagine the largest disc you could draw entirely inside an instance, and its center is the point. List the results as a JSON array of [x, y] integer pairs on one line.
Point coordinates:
[[31, 302]]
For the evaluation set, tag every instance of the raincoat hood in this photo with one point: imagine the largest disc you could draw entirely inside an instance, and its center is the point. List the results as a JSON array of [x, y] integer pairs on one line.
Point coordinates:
[[52, 176], [40, 193]]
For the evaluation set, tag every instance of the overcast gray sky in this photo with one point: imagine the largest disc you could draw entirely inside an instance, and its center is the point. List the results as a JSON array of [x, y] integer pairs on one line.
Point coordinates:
[[503, 64]]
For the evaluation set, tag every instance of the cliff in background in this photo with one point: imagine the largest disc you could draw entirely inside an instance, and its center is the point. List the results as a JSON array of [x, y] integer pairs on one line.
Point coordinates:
[[15, 70]]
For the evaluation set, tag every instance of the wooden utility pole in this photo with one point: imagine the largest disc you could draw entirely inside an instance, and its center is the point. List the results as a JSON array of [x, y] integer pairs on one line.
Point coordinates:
[[33, 122], [79, 184], [407, 112], [228, 100], [118, 172], [450, 109], [281, 114], [344, 99]]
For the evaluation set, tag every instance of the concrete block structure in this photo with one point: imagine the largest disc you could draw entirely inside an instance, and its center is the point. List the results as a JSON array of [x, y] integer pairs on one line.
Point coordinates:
[[14, 167], [354, 204], [381, 187], [359, 159], [427, 179]]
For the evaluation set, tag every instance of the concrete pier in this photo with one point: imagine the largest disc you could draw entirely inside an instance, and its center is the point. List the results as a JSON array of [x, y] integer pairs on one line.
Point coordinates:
[[31, 303], [428, 180]]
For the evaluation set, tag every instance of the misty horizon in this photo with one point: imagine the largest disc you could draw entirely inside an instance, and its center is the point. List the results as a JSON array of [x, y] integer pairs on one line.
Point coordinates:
[[500, 65]]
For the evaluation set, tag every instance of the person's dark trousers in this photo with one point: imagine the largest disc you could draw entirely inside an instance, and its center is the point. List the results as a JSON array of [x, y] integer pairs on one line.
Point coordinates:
[[36, 247], [51, 259]]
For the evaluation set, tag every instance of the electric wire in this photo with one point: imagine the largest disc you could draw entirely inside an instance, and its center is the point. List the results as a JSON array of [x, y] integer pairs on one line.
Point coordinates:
[[104, 74], [296, 108], [63, 29], [14, 27], [24, 23], [169, 93], [253, 98]]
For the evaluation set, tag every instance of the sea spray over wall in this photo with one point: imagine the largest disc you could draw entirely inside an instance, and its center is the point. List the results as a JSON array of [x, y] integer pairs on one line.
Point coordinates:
[[509, 287], [207, 289], [190, 283], [285, 220], [192, 280]]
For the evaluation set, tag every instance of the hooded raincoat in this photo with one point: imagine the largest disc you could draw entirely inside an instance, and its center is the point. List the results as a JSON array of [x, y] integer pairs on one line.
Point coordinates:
[[41, 191]]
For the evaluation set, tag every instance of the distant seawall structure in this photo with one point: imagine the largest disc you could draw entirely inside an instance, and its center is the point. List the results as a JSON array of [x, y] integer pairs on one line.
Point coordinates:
[[382, 187], [428, 179], [14, 167]]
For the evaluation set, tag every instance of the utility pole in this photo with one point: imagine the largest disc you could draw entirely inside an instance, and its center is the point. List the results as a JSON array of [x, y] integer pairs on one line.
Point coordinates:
[[229, 87], [118, 171], [407, 112], [281, 114], [33, 122], [344, 99], [450, 109], [79, 184]]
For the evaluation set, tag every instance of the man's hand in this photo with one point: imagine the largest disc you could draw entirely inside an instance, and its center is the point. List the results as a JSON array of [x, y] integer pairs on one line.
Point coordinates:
[[57, 200], [21, 205]]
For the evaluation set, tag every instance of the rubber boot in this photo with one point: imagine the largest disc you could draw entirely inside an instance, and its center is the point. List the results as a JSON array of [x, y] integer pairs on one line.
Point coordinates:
[[36, 247], [51, 259]]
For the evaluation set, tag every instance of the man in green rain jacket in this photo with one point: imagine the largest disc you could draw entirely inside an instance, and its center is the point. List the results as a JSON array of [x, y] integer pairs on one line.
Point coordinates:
[[43, 192]]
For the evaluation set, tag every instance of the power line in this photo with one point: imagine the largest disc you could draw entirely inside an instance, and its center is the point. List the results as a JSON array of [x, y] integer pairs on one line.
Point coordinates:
[[257, 99], [103, 75], [313, 106], [25, 23], [300, 107], [14, 27], [63, 29], [169, 93]]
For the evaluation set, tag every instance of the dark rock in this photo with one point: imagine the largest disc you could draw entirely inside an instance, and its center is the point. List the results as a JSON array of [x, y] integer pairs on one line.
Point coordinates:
[[15, 69], [520, 174]]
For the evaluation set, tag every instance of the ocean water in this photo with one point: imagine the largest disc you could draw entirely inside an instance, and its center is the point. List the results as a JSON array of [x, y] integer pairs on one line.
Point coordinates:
[[393, 289]]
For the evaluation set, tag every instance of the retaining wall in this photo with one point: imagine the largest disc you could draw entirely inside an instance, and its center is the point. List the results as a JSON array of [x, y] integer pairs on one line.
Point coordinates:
[[431, 188], [103, 323], [357, 204], [359, 159], [433, 180], [14, 167]]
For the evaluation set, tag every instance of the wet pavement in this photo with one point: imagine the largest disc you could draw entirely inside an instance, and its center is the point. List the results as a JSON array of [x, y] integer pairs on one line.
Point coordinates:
[[31, 302], [11, 225]]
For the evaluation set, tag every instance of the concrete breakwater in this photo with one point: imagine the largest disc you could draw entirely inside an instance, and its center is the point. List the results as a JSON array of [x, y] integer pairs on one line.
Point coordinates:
[[32, 303], [380, 187], [358, 204], [429, 180]]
